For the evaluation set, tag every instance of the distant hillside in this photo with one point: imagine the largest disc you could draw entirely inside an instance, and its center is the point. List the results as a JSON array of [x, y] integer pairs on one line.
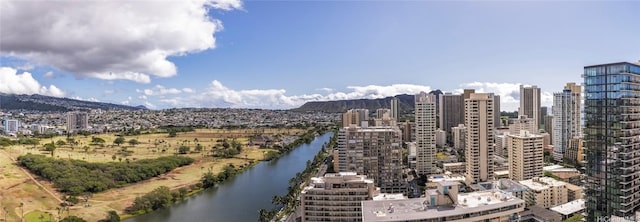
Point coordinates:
[[47, 103], [405, 104]]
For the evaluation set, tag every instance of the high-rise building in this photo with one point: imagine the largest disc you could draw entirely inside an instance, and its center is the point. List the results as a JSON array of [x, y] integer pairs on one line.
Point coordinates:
[[451, 111], [479, 142], [574, 154], [356, 117], [566, 118], [437, 93], [496, 111], [336, 197], [375, 152], [611, 132], [526, 156], [501, 145], [77, 121], [425, 114], [530, 103], [458, 133], [383, 118], [408, 131], [523, 123], [544, 112], [441, 138], [548, 126], [11, 126], [394, 108]]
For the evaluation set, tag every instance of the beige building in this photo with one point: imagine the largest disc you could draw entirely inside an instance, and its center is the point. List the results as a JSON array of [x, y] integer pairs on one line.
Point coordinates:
[[574, 152], [458, 133], [566, 118], [336, 197], [425, 114], [530, 103], [375, 152], [526, 156], [479, 138], [77, 121], [356, 117], [446, 204], [455, 168], [574, 192], [441, 138], [545, 192], [523, 123]]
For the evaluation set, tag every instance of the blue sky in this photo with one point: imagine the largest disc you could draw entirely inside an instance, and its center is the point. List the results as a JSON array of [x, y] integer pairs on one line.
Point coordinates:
[[280, 54]]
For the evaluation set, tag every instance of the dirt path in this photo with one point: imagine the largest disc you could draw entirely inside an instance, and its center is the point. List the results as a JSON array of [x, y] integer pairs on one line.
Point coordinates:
[[32, 178]]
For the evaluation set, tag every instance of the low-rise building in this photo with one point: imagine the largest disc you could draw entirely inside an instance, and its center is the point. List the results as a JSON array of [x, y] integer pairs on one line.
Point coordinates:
[[539, 214], [545, 192], [446, 204], [505, 185], [574, 192], [455, 168], [569, 209], [336, 197]]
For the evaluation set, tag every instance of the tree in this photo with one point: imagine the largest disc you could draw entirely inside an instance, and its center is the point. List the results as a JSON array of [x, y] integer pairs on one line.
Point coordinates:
[[119, 140], [198, 148], [112, 216], [183, 149], [209, 180], [73, 219], [133, 142], [97, 140], [173, 134], [50, 147], [60, 143]]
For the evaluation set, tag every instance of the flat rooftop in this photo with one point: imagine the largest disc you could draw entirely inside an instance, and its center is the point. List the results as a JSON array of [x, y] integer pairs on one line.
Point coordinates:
[[419, 208], [542, 184], [569, 208]]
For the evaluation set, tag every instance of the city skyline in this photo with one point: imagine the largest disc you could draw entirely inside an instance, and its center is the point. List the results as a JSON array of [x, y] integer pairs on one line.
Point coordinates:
[[263, 58]]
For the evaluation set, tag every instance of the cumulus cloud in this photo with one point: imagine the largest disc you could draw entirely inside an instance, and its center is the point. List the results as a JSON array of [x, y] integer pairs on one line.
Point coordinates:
[[509, 93], [218, 95], [109, 40], [24, 83], [161, 90]]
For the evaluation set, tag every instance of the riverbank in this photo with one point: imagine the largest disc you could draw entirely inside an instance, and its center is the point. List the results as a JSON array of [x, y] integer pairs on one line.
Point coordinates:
[[240, 198], [22, 194]]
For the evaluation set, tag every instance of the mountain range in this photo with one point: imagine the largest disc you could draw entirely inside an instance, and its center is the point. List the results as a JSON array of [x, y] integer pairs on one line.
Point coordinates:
[[405, 104], [47, 103]]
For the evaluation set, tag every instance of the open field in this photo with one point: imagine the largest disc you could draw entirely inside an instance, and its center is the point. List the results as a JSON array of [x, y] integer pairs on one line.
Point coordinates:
[[17, 185]]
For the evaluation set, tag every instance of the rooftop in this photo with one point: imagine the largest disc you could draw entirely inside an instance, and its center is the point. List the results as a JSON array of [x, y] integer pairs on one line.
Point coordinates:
[[542, 183], [569, 208], [389, 196], [506, 185], [419, 208]]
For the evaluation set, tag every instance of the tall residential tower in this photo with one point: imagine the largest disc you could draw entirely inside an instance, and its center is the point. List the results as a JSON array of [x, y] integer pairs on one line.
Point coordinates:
[[566, 118], [530, 103], [479, 142], [425, 112], [612, 140]]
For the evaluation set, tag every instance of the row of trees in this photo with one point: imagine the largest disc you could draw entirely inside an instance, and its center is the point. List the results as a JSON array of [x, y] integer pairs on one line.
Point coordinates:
[[75, 177], [289, 201], [162, 196]]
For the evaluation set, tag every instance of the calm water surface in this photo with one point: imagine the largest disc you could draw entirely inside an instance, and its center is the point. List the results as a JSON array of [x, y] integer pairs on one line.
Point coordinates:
[[240, 198]]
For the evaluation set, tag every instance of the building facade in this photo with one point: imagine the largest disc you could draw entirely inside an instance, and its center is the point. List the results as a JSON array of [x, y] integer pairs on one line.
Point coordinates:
[[574, 154], [451, 111], [530, 103], [394, 109], [612, 140], [526, 156], [566, 121], [355, 117], [425, 113], [375, 152], [77, 121], [545, 192], [336, 197], [479, 141], [458, 133]]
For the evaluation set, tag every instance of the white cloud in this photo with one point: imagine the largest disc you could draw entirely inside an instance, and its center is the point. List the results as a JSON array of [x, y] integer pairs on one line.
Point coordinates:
[[509, 93], [109, 40], [161, 90], [218, 95], [325, 89], [24, 83], [188, 90], [86, 99]]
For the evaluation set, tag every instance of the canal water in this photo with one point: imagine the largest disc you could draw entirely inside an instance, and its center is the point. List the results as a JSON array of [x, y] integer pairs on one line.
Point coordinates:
[[240, 198]]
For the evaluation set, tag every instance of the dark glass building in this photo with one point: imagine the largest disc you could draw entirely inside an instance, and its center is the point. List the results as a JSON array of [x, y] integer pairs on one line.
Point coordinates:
[[612, 140]]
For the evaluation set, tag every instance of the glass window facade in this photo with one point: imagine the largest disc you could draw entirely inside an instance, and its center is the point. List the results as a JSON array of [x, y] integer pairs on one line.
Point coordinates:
[[612, 140]]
